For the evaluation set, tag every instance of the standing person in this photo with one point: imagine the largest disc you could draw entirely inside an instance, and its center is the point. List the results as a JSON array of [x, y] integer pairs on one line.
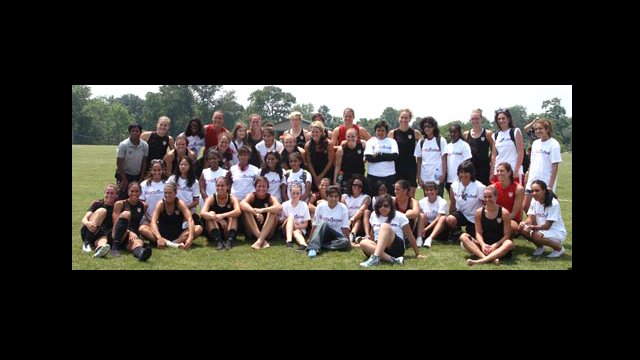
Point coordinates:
[[97, 223], [466, 197], [340, 133], [237, 141], [390, 228], [431, 154], [272, 171], [243, 175], [295, 218], [213, 130], [480, 141], [544, 225], [211, 174], [406, 138], [300, 135], [349, 159], [131, 160], [545, 158], [127, 216], [268, 144], [509, 146], [320, 154], [510, 194], [290, 147], [159, 141], [254, 136], [330, 228], [195, 136], [167, 221], [456, 153], [381, 153], [357, 202], [433, 214], [299, 176], [493, 233], [220, 213], [173, 157], [528, 129], [260, 213]]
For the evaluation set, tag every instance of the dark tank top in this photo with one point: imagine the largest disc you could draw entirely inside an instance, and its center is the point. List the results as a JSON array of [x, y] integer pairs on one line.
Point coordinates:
[[492, 230], [171, 221], [218, 209], [352, 160], [157, 147], [260, 203], [137, 213], [406, 146], [300, 139], [479, 148]]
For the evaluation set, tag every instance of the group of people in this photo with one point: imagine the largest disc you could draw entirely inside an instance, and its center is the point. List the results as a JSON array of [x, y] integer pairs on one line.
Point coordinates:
[[312, 189]]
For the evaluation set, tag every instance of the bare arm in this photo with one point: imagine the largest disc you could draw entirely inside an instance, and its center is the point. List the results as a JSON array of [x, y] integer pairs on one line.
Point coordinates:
[[412, 240], [187, 217], [452, 201], [517, 205], [331, 154], [307, 160], [203, 186], [554, 173], [338, 167], [154, 224], [168, 161], [520, 148], [236, 209], [274, 208], [415, 210], [419, 171], [360, 213], [492, 149], [123, 176], [364, 134], [479, 231], [171, 143], [205, 213], [390, 134], [443, 177]]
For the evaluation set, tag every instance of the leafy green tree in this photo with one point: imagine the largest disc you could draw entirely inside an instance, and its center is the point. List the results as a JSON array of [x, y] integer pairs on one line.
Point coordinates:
[[390, 115], [562, 125], [152, 109], [80, 123], [368, 124], [177, 102], [204, 100], [519, 116], [233, 111], [271, 103], [305, 109], [95, 111], [134, 105], [324, 110]]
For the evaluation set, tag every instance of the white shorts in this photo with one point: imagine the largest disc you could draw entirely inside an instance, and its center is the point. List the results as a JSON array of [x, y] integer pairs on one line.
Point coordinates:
[[554, 236]]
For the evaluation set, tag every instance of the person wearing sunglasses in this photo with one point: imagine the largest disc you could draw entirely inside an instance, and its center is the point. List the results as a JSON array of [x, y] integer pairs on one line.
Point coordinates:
[[466, 198], [390, 227]]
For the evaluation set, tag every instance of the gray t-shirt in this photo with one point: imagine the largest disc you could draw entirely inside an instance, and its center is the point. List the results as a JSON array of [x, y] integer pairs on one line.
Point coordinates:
[[132, 155]]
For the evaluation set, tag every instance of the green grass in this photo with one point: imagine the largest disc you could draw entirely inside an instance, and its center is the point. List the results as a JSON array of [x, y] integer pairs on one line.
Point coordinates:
[[94, 166]]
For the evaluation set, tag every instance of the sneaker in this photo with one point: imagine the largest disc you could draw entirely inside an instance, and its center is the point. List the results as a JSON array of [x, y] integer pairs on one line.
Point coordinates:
[[228, 245], [372, 261], [146, 253], [352, 237], [312, 253], [555, 254], [419, 241], [427, 242], [539, 251], [301, 248], [115, 252], [290, 244], [102, 250], [220, 244], [399, 260], [86, 247]]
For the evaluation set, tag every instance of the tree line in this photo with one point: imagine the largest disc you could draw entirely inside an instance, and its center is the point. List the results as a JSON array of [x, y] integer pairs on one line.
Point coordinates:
[[104, 120]]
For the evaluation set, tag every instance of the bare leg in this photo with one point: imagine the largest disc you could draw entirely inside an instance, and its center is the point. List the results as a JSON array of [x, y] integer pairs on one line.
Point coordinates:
[[439, 228], [288, 224], [526, 202], [412, 192], [145, 231], [297, 234], [495, 255], [367, 225], [368, 247], [385, 240], [540, 240], [471, 246]]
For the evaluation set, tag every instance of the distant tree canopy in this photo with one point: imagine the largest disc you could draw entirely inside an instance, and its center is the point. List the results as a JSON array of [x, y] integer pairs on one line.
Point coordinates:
[[104, 120]]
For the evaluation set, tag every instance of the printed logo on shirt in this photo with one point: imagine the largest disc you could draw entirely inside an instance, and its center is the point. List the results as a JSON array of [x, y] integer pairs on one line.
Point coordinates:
[[383, 147], [541, 215], [433, 150], [331, 219], [164, 143], [139, 210], [510, 194], [359, 152], [410, 137], [499, 219], [456, 153], [482, 138]]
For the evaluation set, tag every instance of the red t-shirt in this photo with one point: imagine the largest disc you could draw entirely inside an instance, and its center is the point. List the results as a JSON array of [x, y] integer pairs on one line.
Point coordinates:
[[507, 197], [342, 133], [211, 137]]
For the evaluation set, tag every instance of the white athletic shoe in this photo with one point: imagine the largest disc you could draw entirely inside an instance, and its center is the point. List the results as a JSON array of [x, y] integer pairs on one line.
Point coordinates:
[[555, 254], [86, 247], [539, 251], [102, 250]]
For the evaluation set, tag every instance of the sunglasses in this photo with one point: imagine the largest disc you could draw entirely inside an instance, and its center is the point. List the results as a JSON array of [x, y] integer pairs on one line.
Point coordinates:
[[156, 161], [501, 110]]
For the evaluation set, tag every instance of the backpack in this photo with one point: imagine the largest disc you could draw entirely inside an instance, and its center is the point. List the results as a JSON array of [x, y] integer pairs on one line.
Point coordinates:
[[511, 134], [437, 142]]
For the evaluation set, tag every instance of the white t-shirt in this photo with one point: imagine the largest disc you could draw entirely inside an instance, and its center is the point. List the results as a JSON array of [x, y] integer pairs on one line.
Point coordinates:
[[354, 204], [543, 155], [274, 184], [195, 143], [186, 193], [431, 210], [337, 218], [553, 213], [507, 150], [386, 146], [456, 153], [234, 151], [300, 212], [277, 146], [468, 199], [396, 224], [210, 178], [243, 180], [301, 177], [431, 168], [151, 194]]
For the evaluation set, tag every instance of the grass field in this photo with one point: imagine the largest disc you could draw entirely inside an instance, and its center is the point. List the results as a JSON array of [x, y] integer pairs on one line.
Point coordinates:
[[93, 167]]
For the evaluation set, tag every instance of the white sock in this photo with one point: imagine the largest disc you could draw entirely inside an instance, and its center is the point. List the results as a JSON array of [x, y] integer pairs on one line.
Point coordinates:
[[427, 241], [419, 241], [171, 244]]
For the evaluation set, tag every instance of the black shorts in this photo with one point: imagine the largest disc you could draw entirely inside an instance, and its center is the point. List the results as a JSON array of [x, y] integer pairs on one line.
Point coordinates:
[[170, 232], [409, 174], [462, 221], [87, 235], [397, 248]]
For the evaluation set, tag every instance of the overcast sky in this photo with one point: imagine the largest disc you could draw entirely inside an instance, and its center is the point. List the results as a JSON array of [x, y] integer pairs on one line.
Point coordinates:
[[444, 102]]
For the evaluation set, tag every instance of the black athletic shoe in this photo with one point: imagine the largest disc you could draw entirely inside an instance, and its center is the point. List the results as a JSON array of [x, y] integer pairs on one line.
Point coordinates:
[[290, 244], [146, 253], [228, 244]]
